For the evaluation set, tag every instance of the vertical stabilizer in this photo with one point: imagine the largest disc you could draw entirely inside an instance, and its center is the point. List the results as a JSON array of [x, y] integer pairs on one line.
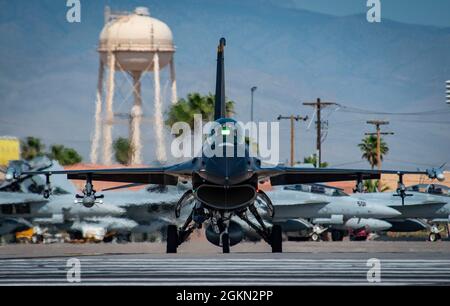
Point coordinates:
[[219, 104]]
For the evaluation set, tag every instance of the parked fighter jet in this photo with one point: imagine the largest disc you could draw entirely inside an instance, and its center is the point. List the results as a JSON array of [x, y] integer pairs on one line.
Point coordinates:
[[18, 203], [223, 185], [320, 208], [122, 213], [144, 211], [422, 202]]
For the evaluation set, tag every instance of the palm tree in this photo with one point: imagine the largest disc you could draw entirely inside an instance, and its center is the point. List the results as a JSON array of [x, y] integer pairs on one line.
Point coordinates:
[[122, 150], [65, 156], [185, 109], [312, 159], [368, 146], [372, 186], [31, 147]]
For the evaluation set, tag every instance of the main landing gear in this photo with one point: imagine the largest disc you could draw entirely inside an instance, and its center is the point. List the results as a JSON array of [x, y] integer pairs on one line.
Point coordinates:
[[337, 235], [276, 238], [273, 236], [172, 239], [220, 230]]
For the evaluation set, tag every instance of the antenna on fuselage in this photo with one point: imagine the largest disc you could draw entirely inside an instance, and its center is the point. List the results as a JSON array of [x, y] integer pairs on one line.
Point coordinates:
[[219, 103]]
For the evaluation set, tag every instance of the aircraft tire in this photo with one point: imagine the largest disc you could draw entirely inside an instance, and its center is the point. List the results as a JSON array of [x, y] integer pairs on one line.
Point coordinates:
[[172, 239], [225, 243], [433, 237], [276, 239], [337, 235], [315, 237]]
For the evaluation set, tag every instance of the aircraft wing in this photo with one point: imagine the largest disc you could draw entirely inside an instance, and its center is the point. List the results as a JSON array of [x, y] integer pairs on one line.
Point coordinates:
[[293, 175], [7, 198], [161, 176]]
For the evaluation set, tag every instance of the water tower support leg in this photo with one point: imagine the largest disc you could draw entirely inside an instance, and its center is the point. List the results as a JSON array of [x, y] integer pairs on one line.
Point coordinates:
[[173, 80], [98, 115], [136, 118], [107, 132], [160, 149]]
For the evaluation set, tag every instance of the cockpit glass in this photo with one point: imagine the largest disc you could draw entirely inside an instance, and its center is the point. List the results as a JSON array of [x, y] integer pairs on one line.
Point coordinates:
[[318, 189], [225, 134], [431, 189]]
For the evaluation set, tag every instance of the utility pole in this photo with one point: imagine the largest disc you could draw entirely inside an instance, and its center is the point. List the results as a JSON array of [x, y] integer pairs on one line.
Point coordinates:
[[252, 90], [319, 105], [292, 118], [378, 133]]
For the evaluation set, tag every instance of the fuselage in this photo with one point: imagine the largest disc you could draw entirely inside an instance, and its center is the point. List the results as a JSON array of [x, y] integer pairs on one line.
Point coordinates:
[[338, 205], [225, 179]]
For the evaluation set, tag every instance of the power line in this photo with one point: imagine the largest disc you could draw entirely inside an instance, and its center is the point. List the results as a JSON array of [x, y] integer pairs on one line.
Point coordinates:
[[349, 109], [349, 163], [378, 133], [319, 105], [292, 118]]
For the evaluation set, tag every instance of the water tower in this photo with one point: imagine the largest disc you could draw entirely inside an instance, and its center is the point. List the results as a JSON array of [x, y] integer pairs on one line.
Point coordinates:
[[134, 43]]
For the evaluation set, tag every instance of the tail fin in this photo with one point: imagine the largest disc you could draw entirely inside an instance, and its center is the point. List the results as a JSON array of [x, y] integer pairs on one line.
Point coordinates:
[[219, 104]]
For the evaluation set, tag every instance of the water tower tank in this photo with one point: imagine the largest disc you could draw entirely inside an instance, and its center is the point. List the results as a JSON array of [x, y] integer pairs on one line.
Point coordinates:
[[137, 44], [134, 38]]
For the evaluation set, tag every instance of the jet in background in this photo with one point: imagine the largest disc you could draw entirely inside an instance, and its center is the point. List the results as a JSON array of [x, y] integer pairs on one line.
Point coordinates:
[[422, 203], [149, 210], [11, 224], [121, 214], [37, 183], [319, 208], [424, 206]]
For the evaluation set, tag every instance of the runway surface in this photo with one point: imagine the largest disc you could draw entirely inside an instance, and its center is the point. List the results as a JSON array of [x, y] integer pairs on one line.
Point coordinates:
[[411, 263]]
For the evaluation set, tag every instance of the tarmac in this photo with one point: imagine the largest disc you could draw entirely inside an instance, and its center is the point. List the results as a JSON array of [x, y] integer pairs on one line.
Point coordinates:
[[199, 263]]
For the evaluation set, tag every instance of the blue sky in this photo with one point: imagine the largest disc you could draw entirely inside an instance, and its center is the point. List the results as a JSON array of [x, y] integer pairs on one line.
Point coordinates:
[[424, 12]]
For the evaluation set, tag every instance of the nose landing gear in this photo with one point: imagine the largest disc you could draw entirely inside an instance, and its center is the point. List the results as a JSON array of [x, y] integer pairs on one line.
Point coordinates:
[[435, 233]]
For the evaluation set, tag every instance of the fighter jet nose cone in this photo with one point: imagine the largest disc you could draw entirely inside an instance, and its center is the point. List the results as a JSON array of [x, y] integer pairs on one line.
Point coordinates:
[[395, 213], [385, 212]]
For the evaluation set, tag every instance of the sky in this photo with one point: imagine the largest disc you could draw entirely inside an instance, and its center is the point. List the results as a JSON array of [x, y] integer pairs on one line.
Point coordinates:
[[424, 12]]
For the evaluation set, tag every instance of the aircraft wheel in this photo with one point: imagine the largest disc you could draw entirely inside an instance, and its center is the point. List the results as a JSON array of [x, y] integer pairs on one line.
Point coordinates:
[[337, 235], [434, 237], [277, 239], [225, 243], [172, 239], [315, 237]]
